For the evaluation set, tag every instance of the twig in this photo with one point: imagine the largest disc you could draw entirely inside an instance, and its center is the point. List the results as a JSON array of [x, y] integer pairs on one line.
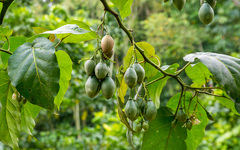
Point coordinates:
[[5, 51], [155, 80]]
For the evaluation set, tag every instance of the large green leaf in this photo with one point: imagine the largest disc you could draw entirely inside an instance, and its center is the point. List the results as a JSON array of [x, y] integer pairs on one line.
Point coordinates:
[[155, 89], [28, 114], [196, 134], [65, 65], [121, 85], [199, 73], [5, 32], [225, 70], [15, 42], [34, 71], [124, 7], [10, 113], [74, 32], [158, 133], [149, 51]]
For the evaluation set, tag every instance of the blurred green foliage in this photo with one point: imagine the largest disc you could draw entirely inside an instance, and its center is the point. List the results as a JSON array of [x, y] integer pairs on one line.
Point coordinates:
[[173, 35]]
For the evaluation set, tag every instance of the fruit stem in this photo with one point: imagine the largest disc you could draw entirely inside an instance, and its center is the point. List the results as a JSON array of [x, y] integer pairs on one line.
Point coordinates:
[[191, 101]]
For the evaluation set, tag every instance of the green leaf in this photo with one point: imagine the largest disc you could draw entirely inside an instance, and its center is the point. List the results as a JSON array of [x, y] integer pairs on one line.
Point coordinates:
[[124, 7], [196, 134], [28, 113], [155, 89], [39, 30], [121, 85], [34, 71], [65, 65], [226, 101], [199, 73], [149, 51], [74, 32], [5, 32], [10, 113], [158, 133], [15, 42], [225, 70]]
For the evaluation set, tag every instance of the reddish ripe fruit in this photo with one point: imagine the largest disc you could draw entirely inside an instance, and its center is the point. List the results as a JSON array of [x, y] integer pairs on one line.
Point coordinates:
[[109, 55], [107, 44]]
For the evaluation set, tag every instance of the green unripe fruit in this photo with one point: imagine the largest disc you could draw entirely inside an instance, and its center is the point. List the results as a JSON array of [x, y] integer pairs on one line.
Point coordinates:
[[141, 91], [145, 126], [138, 110], [141, 104], [92, 86], [189, 124], [107, 44], [139, 127], [140, 72], [166, 1], [89, 67], [108, 87], [179, 4], [150, 111], [206, 13], [131, 109], [212, 3], [101, 70], [182, 116], [174, 123], [130, 77]]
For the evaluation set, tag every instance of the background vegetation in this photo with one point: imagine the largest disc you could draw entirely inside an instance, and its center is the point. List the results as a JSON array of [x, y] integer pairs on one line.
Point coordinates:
[[84, 123]]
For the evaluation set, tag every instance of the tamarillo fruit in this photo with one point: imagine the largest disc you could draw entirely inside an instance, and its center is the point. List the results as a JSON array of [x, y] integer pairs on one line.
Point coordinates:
[[145, 126], [179, 4], [130, 77], [89, 66], [131, 109], [182, 116], [109, 55], [101, 70], [212, 3], [107, 44], [140, 72], [150, 111], [92, 86], [108, 87], [189, 124], [206, 13], [139, 127]]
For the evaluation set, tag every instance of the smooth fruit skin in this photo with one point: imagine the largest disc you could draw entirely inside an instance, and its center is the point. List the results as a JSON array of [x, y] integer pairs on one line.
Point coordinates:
[[140, 72], [139, 127], [179, 4], [108, 87], [141, 91], [101, 70], [206, 13], [212, 3], [145, 126], [150, 111], [189, 124], [130, 77], [182, 116], [89, 67], [92, 86], [131, 109], [107, 44], [174, 123], [109, 55]]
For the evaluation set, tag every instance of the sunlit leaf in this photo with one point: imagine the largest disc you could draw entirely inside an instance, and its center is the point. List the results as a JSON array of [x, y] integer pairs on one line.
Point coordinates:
[[10, 113], [65, 65]]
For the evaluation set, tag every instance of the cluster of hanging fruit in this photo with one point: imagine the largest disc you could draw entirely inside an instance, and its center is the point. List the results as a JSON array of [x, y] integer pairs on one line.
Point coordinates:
[[99, 75], [206, 13], [140, 105], [183, 118]]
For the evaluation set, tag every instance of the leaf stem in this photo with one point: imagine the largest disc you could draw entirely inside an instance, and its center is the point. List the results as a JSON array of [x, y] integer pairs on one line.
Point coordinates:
[[5, 51], [191, 101], [59, 43], [155, 80], [180, 71]]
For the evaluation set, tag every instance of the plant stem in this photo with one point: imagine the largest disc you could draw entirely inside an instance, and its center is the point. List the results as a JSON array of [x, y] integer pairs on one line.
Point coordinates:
[[202, 88], [155, 80], [58, 43], [6, 51], [203, 92], [191, 101], [180, 71]]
